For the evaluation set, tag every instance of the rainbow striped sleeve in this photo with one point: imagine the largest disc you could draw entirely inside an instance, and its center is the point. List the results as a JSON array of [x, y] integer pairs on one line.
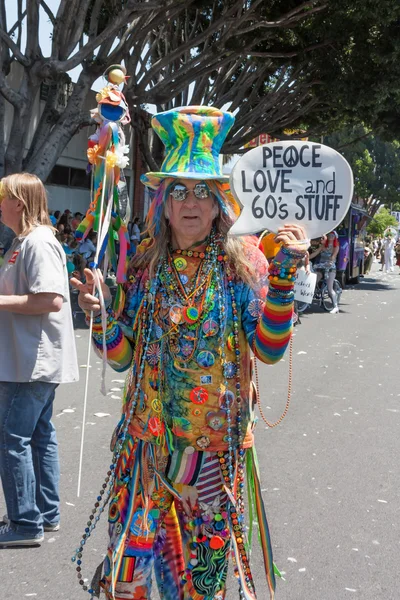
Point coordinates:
[[119, 349], [275, 326]]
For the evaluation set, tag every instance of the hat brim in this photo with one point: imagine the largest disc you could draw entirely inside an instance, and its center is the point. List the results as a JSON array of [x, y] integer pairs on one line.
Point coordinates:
[[153, 179], [111, 67]]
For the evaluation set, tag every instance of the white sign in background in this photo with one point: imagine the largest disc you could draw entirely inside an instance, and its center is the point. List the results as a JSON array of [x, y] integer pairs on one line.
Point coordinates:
[[291, 182], [304, 286]]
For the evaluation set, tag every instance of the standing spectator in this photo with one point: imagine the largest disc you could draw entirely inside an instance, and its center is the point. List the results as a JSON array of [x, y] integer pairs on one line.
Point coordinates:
[[134, 234], [52, 218], [36, 321], [397, 252], [325, 256], [388, 246], [378, 248], [368, 255]]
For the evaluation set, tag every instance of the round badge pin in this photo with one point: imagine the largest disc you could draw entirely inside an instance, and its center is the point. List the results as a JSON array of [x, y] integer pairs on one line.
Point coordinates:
[[230, 370], [205, 359], [203, 442], [190, 314], [210, 328], [230, 342], [199, 395], [180, 263], [156, 405]]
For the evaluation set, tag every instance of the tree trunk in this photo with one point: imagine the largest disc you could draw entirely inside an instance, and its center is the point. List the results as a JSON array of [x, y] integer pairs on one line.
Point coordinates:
[[2, 135], [20, 125], [72, 118]]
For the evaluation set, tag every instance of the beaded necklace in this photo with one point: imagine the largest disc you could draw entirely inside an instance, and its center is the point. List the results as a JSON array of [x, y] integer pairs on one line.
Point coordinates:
[[148, 307]]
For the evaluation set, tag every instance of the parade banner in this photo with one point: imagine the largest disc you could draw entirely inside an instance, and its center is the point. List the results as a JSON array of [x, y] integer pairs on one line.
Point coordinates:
[[292, 182]]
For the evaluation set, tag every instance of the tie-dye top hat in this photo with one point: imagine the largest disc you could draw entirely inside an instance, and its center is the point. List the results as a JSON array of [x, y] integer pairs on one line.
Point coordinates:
[[193, 137]]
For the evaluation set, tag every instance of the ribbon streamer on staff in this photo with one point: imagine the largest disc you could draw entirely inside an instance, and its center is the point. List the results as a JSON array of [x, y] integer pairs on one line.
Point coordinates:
[[108, 212]]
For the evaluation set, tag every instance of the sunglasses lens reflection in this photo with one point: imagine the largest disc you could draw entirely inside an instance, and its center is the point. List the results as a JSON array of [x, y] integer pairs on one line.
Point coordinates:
[[180, 192], [201, 191]]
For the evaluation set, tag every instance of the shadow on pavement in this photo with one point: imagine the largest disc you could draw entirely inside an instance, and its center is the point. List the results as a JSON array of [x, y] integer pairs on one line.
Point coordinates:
[[371, 284]]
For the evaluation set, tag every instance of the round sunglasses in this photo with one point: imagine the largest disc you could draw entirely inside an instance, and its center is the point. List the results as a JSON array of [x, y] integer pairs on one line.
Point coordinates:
[[180, 192]]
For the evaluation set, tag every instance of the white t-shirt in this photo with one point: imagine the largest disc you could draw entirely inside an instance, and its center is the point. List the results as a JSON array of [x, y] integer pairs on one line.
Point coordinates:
[[37, 347]]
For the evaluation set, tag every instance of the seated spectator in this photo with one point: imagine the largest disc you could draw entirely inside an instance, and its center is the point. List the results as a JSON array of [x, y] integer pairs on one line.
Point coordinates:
[[80, 264], [52, 218], [134, 233], [88, 248], [6, 236], [76, 220], [65, 218]]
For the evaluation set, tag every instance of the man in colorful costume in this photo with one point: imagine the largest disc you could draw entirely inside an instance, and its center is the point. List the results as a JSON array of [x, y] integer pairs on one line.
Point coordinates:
[[194, 308]]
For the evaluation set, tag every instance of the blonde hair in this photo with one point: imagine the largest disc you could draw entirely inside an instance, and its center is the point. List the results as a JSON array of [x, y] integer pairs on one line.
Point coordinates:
[[30, 191], [159, 232]]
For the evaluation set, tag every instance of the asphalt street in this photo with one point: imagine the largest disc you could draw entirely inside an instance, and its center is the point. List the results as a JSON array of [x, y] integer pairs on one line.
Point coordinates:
[[330, 471]]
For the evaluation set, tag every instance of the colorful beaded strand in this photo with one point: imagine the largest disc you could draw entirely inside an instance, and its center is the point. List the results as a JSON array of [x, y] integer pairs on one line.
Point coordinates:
[[111, 474]]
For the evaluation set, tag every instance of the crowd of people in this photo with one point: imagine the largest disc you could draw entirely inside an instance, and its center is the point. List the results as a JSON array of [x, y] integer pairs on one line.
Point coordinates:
[[385, 249], [81, 253]]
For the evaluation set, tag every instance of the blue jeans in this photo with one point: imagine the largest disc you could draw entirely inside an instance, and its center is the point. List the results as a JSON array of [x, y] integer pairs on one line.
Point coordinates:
[[29, 465]]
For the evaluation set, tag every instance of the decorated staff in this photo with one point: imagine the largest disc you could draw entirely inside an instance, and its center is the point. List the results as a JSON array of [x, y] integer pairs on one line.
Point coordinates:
[[107, 156], [196, 303]]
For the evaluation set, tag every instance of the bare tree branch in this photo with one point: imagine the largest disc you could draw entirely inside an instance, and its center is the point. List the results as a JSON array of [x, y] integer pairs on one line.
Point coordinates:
[[48, 12], [94, 19], [287, 20], [17, 23], [8, 93], [223, 20], [14, 49], [32, 30], [88, 49]]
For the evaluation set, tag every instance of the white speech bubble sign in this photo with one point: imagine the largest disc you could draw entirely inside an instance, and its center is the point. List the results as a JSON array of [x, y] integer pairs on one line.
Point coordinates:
[[293, 182]]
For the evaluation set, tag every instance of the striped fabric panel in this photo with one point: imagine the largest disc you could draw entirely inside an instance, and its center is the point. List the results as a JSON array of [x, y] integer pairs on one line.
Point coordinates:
[[185, 468], [209, 483], [127, 570]]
